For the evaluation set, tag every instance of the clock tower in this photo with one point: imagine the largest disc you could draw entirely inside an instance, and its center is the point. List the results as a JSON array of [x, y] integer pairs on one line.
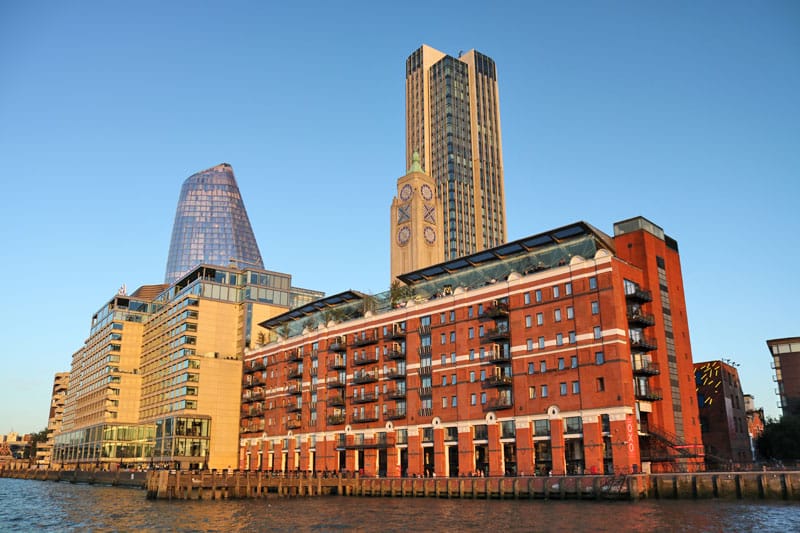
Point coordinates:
[[416, 222]]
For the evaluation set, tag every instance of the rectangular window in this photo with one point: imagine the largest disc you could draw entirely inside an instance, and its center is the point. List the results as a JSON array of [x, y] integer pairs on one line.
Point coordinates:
[[472, 399], [557, 315], [541, 343], [544, 391], [530, 368], [471, 333], [480, 331], [470, 311], [472, 376], [483, 375], [529, 344], [531, 392], [472, 355], [570, 313], [598, 332], [542, 366], [452, 316], [528, 321], [452, 336], [452, 358], [444, 359], [595, 307], [453, 402], [483, 398], [444, 338], [562, 388], [601, 385], [452, 379], [599, 358], [559, 339], [539, 319], [444, 382], [538, 295], [572, 338], [561, 365], [568, 289], [573, 361], [444, 402], [442, 320], [527, 298], [556, 292], [592, 283], [576, 387]]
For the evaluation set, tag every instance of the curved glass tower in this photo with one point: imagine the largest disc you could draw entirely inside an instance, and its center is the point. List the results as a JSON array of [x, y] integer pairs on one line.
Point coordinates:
[[211, 225]]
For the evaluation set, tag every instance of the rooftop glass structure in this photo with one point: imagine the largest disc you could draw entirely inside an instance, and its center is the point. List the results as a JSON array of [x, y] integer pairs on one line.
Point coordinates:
[[211, 225]]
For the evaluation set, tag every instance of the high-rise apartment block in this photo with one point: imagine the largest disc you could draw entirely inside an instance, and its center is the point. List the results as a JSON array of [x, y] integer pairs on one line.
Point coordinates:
[[211, 225], [567, 351], [786, 363], [453, 123]]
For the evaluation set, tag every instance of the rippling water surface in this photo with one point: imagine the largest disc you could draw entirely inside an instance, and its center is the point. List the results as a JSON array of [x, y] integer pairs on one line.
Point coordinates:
[[49, 506]]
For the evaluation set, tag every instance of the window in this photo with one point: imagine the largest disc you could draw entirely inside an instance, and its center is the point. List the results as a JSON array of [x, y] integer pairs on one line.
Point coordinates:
[[598, 332], [480, 309], [452, 316], [528, 321], [452, 336], [452, 379], [531, 392], [483, 375], [538, 295], [444, 338], [601, 384], [561, 363], [562, 387], [541, 343], [568, 289], [572, 338], [483, 398], [527, 298], [453, 402], [452, 358], [539, 319], [556, 292], [472, 355], [444, 402], [529, 344], [471, 333], [444, 382], [592, 283], [570, 313], [472, 376], [480, 331], [557, 315], [544, 391], [542, 366], [599, 358], [470, 311], [442, 319], [482, 353], [576, 387], [595, 307], [573, 361], [559, 339], [472, 399]]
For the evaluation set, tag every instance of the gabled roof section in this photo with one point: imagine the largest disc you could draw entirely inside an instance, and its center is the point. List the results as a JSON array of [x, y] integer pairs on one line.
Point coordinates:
[[509, 250]]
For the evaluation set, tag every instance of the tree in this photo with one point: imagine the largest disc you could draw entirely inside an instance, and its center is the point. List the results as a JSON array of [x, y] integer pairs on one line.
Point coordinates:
[[781, 439]]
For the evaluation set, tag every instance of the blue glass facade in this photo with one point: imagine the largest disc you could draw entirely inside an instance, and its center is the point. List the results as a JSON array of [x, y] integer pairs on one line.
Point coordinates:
[[211, 225]]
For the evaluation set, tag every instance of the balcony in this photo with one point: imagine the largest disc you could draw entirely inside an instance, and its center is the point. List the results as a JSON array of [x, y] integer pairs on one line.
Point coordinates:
[[365, 359], [367, 397], [337, 344], [338, 363], [497, 355], [424, 350], [294, 408], [253, 381], [497, 381], [424, 330], [426, 411], [646, 368], [639, 295], [294, 356], [363, 418], [425, 391], [396, 353], [254, 366], [365, 339], [293, 423], [294, 389], [637, 318], [497, 404], [336, 420], [365, 377], [425, 370], [395, 394], [336, 383], [394, 414], [496, 334], [395, 333], [495, 310], [643, 344], [396, 373], [648, 394], [336, 400], [294, 372]]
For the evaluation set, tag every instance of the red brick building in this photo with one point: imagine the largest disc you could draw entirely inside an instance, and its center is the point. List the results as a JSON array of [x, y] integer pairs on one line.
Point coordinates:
[[564, 352]]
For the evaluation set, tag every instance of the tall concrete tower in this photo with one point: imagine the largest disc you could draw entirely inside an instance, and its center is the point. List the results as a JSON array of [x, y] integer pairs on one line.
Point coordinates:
[[211, 225], [453, 122]]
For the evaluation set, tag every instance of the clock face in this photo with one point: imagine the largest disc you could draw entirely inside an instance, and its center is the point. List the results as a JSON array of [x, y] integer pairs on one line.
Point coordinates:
[[426, 192], [403, 234], [405, 192], [430, 235]]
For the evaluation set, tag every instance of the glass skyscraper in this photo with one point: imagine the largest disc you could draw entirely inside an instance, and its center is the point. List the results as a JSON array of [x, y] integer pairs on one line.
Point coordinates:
[[211, 225], [453, 122]]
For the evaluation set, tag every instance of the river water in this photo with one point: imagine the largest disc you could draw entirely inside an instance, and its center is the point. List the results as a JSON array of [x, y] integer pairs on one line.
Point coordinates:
[[49, 506]]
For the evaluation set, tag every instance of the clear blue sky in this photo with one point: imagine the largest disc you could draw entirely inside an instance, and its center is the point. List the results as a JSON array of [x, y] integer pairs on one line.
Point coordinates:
[[684, 112]]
